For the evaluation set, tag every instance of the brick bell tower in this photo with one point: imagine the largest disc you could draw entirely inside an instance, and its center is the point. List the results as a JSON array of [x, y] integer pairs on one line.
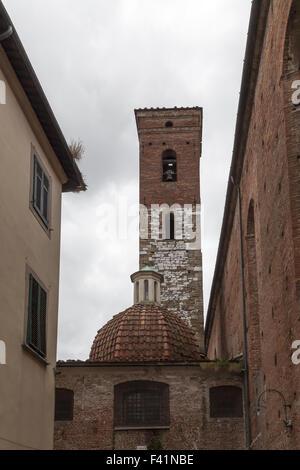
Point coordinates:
[[170, 151]]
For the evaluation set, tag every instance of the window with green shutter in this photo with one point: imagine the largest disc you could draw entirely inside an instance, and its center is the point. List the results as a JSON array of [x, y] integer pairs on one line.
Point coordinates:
[[36, 326], [41, 192]]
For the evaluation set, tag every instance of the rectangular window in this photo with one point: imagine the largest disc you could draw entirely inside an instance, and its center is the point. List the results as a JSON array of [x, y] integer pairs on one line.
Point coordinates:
[[141, 404], [36, 325], [64, 404], [41, 192]]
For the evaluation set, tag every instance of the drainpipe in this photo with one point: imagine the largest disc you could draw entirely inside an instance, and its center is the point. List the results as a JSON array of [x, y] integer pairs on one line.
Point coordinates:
[[6, 34], [246, 365]]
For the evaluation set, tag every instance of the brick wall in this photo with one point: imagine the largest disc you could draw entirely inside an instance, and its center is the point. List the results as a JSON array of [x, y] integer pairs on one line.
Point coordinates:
[[271, 182], [191, 426]]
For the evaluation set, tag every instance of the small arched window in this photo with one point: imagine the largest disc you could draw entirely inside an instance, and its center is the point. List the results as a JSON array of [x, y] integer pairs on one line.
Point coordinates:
[[251, 221], [142, 404], [169, 162], [2, 353]]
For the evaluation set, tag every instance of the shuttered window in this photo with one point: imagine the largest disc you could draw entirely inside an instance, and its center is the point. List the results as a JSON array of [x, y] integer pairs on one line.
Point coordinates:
[[36, 325], [64, 404], [41, 192], [142, 404]]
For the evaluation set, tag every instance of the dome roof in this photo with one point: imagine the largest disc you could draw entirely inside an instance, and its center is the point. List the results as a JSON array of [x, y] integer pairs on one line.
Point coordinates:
[[144, 333]]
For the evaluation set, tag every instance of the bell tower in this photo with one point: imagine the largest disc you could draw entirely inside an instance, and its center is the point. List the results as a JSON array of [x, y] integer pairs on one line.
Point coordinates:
[[170, 234]]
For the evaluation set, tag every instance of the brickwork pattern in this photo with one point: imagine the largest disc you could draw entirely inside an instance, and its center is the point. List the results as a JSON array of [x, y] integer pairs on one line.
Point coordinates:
[[271, 179]]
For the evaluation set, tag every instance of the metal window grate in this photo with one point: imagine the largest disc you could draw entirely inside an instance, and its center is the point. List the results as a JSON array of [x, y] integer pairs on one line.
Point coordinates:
[[142, 404]]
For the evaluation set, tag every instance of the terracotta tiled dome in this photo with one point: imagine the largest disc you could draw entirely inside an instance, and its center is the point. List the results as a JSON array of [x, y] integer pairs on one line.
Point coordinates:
[[143, 333]]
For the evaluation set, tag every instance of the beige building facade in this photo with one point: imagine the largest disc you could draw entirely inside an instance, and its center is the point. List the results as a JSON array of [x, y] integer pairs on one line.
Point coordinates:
[[36, 167]]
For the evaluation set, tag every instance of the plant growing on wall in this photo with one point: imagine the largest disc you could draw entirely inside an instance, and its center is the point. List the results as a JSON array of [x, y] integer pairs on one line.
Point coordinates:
[[155, 444]]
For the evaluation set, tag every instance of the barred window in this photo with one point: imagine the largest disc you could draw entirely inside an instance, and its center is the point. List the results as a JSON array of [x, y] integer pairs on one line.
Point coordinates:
[[142, 404], [137, 293], [36, 323], [226, 402], [64, 404]]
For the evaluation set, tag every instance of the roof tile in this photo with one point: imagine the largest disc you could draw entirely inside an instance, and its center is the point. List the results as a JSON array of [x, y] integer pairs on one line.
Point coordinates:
[[145, 333]]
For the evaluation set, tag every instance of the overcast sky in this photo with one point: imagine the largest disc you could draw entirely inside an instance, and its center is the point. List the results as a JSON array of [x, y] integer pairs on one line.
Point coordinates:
[[97, 61]]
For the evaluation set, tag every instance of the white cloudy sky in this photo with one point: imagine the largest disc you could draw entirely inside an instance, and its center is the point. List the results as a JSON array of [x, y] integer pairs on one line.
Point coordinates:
[[97, 60]]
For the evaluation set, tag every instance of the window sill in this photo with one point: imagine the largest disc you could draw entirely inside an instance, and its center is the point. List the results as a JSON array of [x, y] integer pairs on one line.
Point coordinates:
[[35, 354], [139, 428], [226, 417], [46, 229]]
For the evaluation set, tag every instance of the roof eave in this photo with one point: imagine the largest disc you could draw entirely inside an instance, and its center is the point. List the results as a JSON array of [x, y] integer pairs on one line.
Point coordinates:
[[21, 64]]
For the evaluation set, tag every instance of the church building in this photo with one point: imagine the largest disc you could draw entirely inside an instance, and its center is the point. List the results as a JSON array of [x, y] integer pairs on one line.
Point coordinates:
[[147, 383]]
